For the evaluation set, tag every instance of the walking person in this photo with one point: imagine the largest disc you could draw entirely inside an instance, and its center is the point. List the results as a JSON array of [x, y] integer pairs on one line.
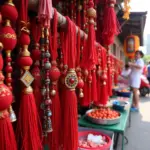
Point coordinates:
[[135, 78]]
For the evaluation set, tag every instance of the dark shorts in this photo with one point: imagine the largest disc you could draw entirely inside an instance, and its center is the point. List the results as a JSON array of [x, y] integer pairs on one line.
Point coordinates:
[[148, 79]]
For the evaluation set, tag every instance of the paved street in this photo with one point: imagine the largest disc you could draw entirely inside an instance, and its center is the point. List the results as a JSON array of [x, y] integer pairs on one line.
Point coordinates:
[[139, 132]]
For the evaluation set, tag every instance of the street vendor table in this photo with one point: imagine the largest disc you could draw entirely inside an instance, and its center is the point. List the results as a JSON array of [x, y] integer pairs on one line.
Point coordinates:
[[117, 128]]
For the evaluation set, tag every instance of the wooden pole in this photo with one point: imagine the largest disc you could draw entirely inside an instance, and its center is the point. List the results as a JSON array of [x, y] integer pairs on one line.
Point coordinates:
[[62, 22]]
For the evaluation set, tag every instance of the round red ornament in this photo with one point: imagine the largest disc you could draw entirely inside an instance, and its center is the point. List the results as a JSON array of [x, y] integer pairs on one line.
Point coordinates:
[[25, 61], [54, 73], [8, 37], [80, 84], [24, 37]]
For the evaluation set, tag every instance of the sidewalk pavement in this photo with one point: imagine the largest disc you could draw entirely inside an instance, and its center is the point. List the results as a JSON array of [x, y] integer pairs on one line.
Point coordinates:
[[139, 133]]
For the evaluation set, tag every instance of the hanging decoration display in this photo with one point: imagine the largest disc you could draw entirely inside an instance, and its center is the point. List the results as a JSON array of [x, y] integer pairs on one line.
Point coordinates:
[[28, 121], [126, 9], [44, 16], [54, 74], [7, 136], [131, 45], [69, 69], [9, 40], [111, 26], [70, 126]]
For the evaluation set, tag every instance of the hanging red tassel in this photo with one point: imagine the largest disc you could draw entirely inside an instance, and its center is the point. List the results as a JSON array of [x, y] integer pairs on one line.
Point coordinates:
[[28, 126], [109, 75], [70, 120], [104, 96], [110, 23], [94, 86], [7, 137], [36, 56], [54, 74]]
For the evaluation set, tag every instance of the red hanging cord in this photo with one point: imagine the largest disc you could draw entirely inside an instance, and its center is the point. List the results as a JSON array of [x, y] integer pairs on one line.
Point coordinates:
[[70, 122], [54, 137]]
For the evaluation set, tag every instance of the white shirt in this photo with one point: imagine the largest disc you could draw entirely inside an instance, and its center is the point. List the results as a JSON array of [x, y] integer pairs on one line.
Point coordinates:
[[126, 72], [135, 76]]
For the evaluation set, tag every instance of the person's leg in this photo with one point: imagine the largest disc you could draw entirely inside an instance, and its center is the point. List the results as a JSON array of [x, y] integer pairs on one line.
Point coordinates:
[[135, 98]]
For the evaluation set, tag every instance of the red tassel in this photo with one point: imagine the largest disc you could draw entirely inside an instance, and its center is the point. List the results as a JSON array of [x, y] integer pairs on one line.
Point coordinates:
[[104, 96], [28, 134], [36, 87], [70, 120], [110, 23], [54, 137], [7, 137], [94, 87], [70, 124]]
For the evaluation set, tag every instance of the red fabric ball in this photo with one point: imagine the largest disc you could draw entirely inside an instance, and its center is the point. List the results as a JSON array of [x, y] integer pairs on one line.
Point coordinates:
[[8, 80], [8, 59], [8, 69], [8, 38], [1, 62], [25, 61], [80, 84], [9, 12], [5, 97], [36, 54], [54, 73], [24, 38]]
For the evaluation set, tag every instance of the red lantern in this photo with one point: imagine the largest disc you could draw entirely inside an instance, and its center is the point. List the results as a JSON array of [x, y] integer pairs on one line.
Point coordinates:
[[8, 37], [9, 11], [0, 18], [131, 45]]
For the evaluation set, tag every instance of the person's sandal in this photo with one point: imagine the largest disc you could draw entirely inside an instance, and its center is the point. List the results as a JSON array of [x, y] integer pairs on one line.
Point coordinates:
[[134, 109]]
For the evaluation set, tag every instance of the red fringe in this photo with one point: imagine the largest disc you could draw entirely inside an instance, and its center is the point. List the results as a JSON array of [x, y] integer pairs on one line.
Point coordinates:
[[109, 83], [54, 137], [110, 26], [70, 123], [94, 87], [99, 94], [28, 132], [86, 100], [7, 137]]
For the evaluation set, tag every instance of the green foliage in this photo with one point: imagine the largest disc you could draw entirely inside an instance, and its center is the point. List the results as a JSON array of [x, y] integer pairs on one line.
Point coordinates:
[[146, 58]]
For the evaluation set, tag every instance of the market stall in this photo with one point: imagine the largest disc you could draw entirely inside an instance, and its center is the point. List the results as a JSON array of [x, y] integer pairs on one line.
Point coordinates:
[[52, 62]]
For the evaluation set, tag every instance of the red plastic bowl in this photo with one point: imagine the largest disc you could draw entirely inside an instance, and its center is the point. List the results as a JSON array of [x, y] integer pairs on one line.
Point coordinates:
[[84, 134]]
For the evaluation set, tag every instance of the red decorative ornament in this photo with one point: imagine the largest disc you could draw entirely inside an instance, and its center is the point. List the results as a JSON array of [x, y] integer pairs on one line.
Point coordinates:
[[24, 37], [54, 72], [8, 35], [9, 11], [25, 61], [5, 97]]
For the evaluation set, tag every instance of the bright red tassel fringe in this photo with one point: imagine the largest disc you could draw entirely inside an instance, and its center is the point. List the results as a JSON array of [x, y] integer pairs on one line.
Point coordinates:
[[54, 137], [28, 133], [7, 137], [70, 123], [94, 87]]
